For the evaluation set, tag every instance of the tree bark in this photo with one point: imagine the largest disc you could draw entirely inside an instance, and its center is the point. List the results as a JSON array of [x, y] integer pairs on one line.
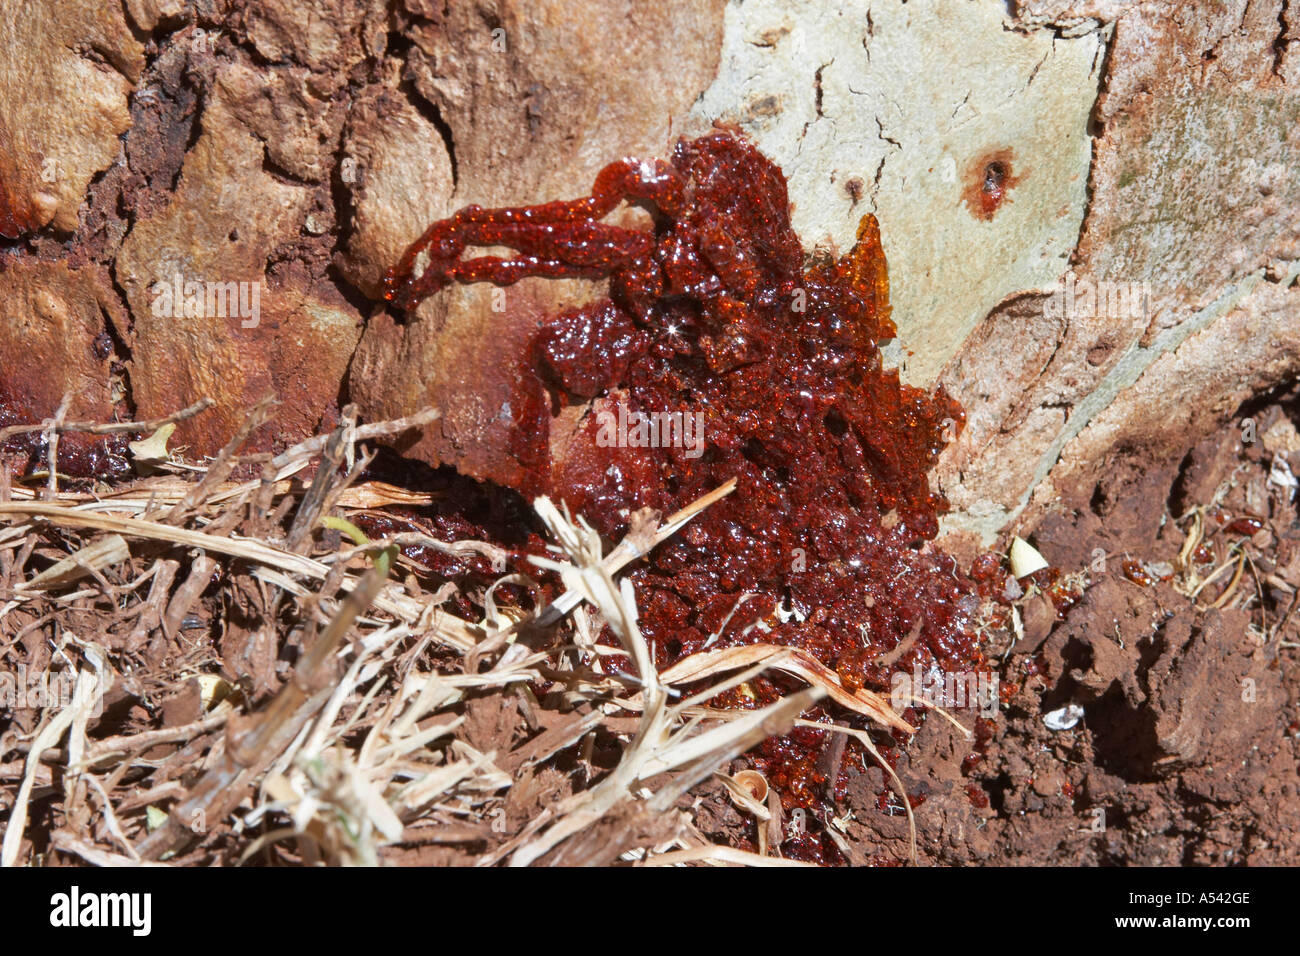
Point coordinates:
[[1017, 156]]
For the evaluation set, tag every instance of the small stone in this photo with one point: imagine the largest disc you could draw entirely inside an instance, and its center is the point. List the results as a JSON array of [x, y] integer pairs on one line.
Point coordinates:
[[1063, 718]]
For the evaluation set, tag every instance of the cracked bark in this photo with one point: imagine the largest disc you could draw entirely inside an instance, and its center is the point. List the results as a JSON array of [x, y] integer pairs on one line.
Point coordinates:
[[302, 146]]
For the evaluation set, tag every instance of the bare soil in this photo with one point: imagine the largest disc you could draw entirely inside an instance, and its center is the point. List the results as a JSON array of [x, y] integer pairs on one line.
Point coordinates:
[[1187, 749]]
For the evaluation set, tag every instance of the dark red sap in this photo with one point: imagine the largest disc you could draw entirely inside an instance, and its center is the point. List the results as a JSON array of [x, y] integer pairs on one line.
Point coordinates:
[[714, 312]]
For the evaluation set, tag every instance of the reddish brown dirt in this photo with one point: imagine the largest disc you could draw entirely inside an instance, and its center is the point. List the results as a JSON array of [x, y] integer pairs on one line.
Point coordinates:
[[1187, 749]]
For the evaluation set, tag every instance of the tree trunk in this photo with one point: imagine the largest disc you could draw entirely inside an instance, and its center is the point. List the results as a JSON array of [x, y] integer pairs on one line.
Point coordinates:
[[1089, 209]]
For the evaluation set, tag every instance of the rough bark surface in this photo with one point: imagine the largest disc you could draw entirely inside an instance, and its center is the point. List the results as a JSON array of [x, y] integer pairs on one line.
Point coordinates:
[[302, 146], [1193, 195]]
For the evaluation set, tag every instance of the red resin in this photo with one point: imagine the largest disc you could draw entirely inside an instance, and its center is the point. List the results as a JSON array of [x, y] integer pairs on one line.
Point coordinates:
[[80, 456], [1054, 587], [1135, 572], [1246, 527], [714, 312]]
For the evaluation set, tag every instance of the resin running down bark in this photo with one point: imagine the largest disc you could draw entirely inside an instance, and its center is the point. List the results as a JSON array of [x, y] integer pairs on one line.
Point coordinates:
[[714, 316]]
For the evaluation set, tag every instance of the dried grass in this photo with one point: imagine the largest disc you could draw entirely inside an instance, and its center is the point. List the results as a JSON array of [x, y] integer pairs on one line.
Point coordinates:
[[390, 724]]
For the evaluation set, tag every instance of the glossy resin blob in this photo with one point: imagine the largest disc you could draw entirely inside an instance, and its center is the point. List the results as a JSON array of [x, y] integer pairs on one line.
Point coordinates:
[[721, 352]]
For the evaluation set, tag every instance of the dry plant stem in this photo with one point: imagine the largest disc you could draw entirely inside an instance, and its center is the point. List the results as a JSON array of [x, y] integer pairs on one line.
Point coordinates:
[[251, 748], [629, 549], [793, 661], [135, 743], [1232, 584], [151, 614], [865, 739], [109, 550], [456, 549], [306, 450], [703, 753], [52, 445], [313, 502], [168, 790], [187, 594], [1218, 572], [112, 428], [253, 551], [110, 817], [1194, 536], [225, 462], [719, 855], [92, 854], [334, 494], [161, 490]]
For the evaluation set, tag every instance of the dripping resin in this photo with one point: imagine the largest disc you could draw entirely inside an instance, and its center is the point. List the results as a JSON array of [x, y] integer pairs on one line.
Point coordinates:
[[713, 312]]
